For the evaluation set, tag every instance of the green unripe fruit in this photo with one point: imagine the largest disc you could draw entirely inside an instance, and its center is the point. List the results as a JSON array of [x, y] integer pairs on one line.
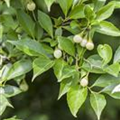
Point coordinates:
[[57, 53], [31, 6]]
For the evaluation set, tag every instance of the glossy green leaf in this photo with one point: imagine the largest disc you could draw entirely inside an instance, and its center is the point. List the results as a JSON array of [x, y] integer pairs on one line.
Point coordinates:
[[45, 22], [3, 104], [98, 4], [10, 91], [65, 5], [49, 3], [26, 22], [67, 83], [105, 52], [98, 103], [108, 28], [66, 45], [40, 65], [75, 98], [117, 55], [77, 12], [93, 64], [19, 68], [113, 69], [109, 89], [62, 70], [105, 12], [30, 47], [106, 80]]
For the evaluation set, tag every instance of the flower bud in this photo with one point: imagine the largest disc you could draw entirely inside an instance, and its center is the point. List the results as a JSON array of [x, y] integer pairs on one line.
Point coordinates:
[[84, 82], [31, 6], [90, 46], [57, 53], [77, 39], [84, 42]]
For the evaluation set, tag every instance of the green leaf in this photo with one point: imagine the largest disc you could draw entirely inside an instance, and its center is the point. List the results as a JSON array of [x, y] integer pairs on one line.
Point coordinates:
[[10, 91], [75, 98], [113, 69], [89, 13], [38, 31], [49, 3], [93, 64], [65, 5], [7, 3], [30, 47], [77, 12], [117, 55], [66, 45], [45, 22], [106, 80], [26, 22], [12, 118], [98, 4], [3, 104], [4, 71], [108, 28], [40, 65], [62, 70], [67, 83], [105, 52], [19, 68], [1, 32], [98, 103], [109, 89], [105, 12]]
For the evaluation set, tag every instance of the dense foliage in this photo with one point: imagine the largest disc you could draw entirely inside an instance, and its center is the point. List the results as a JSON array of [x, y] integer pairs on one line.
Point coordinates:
[[33, 39]]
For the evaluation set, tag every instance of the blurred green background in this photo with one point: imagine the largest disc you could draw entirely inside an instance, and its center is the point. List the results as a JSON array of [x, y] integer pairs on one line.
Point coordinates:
[[40, 101]]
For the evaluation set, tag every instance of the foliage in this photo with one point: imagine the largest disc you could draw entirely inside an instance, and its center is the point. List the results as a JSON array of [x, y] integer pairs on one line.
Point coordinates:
[[33, 39]]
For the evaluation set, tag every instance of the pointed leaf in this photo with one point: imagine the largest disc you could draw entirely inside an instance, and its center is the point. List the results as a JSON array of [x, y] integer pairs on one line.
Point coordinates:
[[98, 102], [75, 98]]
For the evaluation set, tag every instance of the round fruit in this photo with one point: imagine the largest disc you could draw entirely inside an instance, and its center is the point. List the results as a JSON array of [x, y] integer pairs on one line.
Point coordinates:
[[90, 46], [31, 6], [77, 39], [84, 42], [57, 53], [84, 82]]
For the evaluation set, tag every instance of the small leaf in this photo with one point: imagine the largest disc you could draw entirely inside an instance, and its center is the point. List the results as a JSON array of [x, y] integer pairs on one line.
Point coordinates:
[[10, 91], [1, 32], [93, 64], [98, 102], [45, 22], [26, 22], [105, 12], [30, 47], [105, 52], [65, 5], [113, 69], [19, 68], [77, 12], [3, 104], [116, 89], [75, 98], [98, 4], [62, 70], [106, 80], [67, 83], [67, 45], [117, 55], [49, 3], [40, 65], [108, 28]]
